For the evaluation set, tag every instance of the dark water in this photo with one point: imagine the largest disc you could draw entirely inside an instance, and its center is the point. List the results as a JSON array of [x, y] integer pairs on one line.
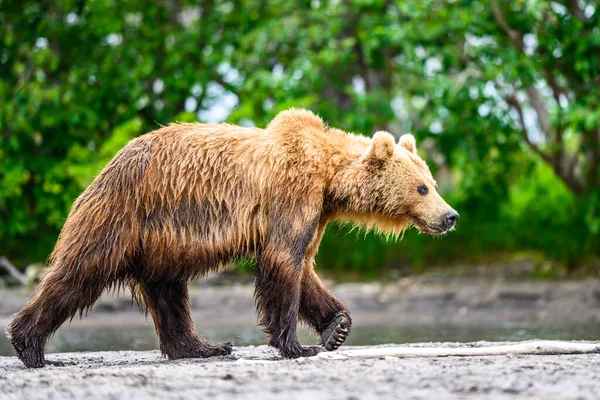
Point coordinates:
[[143, 337]]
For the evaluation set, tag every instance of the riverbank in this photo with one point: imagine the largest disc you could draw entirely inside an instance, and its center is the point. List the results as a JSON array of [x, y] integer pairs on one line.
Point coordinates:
[[257, 372], [420, 299], [422, 308]]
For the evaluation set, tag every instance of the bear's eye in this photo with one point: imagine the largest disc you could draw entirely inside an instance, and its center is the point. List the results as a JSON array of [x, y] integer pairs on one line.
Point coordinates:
[[422, 189]]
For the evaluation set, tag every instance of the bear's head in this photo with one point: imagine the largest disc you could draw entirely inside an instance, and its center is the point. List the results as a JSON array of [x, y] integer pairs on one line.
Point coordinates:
[[389, 187]]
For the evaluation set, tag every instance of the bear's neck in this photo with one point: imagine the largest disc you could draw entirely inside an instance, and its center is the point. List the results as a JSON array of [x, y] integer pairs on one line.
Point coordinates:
[[338, 160]]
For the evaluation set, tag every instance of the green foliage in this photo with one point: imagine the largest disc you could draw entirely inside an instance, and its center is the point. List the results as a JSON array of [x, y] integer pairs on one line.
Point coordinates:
[[501, 95]]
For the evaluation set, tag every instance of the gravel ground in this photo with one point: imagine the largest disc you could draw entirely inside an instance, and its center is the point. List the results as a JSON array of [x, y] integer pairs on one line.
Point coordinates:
[[258, 373]]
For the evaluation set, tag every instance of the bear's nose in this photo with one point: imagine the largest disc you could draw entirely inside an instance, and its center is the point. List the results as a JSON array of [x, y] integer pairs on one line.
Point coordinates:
[[451, 218]]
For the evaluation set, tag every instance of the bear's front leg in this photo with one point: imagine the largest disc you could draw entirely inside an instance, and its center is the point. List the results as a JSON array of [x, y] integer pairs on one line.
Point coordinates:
[[278, 289], [328, 316]]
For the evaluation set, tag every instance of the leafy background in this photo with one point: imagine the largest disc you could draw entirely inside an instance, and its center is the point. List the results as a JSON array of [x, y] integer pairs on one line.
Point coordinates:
[[502, 96]]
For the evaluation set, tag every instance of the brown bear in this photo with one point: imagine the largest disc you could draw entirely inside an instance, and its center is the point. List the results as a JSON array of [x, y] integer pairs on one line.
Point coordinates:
[[186, 199]]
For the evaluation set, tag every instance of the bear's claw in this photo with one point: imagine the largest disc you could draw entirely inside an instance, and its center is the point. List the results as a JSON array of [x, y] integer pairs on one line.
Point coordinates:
[[300, 351], [336, 332], [204, 350], [223, 349], [56, 363], [311, 351], [213, 350]]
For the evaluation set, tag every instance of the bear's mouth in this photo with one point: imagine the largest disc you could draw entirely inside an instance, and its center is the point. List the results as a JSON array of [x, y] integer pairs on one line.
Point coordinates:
[[430, 229]]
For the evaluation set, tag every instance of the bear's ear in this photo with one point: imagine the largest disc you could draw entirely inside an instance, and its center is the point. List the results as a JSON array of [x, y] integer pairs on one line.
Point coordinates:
[[382, 146], [408, 142]]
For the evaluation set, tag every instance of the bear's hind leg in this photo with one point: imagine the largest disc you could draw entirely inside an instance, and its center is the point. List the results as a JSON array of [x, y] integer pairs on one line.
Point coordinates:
[[58, 297], [168, 303], [322, 311]]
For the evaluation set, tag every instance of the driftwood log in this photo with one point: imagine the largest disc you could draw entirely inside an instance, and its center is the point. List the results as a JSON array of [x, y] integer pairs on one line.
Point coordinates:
[[14, 272], [535, 347]]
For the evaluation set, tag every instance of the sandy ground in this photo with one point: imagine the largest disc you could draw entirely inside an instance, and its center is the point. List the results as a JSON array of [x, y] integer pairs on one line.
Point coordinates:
[[258, 373]]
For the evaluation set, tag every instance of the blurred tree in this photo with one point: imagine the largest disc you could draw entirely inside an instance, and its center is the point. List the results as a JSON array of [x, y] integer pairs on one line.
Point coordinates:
[[492, 88], [78, 79]]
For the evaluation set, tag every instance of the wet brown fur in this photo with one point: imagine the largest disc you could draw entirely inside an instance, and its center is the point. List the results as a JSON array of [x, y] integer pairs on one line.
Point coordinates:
[[186, 199]]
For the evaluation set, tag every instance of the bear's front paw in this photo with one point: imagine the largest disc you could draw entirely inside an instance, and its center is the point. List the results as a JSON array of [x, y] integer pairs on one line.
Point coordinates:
[[337, 331], [220, 349], [202, 350], [309, 351]]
